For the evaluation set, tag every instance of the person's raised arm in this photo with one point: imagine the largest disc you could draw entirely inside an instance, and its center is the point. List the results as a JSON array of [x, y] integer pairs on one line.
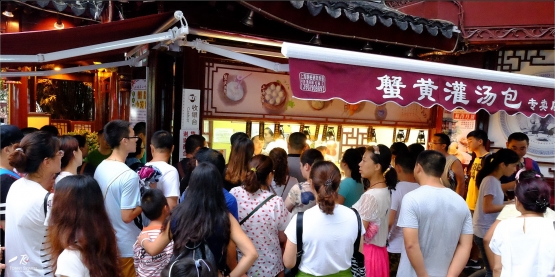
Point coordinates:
[[245, 245], [462, 252], [155, 247], [412, 247]]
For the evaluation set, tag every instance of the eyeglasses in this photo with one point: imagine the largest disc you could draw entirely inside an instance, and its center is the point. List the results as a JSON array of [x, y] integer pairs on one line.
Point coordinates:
[[432, 143], [133, 137]]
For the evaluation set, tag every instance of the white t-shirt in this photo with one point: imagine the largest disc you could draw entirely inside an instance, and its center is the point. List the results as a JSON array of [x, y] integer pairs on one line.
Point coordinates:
[[441, 217], [25, 253], [283, 191], [526, 246], [326, 252], [396, 243], [373, 207], [62, 175], [122, 194], [70, 264], [169, 181]]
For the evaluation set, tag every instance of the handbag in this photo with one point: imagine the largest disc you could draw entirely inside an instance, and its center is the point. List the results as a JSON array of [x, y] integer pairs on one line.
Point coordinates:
[[293, 271], [357, 261]]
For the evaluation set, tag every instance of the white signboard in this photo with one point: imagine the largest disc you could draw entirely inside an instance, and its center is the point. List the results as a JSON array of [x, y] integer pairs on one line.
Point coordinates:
[[183, 135], [190, 113], [138, 102], [222, 135]]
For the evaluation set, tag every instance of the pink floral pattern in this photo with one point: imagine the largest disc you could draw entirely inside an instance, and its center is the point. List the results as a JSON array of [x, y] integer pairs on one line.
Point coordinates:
[[262, 228]]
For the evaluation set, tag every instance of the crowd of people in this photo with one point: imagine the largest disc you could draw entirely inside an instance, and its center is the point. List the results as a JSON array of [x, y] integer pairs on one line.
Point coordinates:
[[382, 211]]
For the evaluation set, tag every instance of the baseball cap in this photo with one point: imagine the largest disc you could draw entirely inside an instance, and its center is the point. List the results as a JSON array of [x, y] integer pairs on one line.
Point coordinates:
[[9, 134]]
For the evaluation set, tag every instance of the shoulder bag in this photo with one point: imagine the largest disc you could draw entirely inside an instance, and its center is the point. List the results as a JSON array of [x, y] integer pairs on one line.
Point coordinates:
[[357, 261], [293, 271], [256, 209]]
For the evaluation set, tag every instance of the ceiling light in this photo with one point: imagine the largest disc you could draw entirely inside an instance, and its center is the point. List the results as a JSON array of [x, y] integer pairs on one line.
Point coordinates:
[[8, 11], [59, 24], [316, 40], [410, 53], [57, 68], [248, 20], [367, 47]]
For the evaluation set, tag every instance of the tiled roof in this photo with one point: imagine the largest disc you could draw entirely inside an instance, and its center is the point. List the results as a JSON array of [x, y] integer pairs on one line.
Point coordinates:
[[373, 11]]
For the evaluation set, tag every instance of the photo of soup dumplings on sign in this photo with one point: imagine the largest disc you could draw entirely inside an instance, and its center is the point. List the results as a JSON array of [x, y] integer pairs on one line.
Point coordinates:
[[273, 96]]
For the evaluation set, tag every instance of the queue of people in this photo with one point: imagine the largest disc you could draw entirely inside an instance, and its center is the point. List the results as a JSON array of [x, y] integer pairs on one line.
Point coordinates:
[[397, 211]]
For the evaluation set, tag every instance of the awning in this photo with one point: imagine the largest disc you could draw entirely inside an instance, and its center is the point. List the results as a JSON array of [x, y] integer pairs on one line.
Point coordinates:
[[322, 74], [31, 43]]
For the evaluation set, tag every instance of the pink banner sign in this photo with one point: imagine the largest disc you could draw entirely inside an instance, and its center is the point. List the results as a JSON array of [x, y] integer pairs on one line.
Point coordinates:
[[316, 80]]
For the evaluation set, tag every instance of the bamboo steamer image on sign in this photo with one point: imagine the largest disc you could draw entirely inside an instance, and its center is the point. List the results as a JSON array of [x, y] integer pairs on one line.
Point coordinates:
[[273, 96]]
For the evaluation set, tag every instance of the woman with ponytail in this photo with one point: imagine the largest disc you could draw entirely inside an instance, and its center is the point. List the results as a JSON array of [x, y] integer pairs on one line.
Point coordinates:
[[525, 245], [490, 195], [374, 205], [329, 252], [351, 188], [262, 216]]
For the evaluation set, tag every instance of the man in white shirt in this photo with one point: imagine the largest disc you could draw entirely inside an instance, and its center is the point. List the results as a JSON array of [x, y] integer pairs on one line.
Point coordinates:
[[161, 147], [436, 222], [404, 166], [120, 187]]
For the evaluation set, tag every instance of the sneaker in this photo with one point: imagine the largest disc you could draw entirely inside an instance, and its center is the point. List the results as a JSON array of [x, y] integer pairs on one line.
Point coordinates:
[[473, 264]]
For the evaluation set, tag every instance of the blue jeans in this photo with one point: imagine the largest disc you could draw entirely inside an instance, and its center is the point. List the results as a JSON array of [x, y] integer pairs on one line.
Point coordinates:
[[480, 243]]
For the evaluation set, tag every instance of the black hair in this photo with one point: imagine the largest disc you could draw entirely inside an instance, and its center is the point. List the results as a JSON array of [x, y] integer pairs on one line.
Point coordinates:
[[29, 130], [281, 168], [479, 135], [236, 136], [260, 167], [53, 130], [297, 141], [491, 162], [193, 142], [68, 144], [214, 157], [187, 267], [518, 136], [115, 131], [310, 156], [398, 148], [162, 140], [533, 192], [325, 178], [203, 213], [100, 132], [415, 149], [406, 162], [35, 147], [82, 140], [153, 203], [352, 158], [139, 128], [432, 162], [384, 160], [444, 139]]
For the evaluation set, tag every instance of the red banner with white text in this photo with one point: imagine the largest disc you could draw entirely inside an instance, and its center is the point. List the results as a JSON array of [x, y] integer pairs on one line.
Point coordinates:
[[317, 80]]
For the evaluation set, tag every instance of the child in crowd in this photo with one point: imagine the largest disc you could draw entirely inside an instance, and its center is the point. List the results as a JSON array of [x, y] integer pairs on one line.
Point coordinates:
[[156, 209]]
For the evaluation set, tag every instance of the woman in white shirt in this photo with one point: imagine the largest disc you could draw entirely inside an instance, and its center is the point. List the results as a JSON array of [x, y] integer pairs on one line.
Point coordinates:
[[38, 155], [374, 205], [329, 252], [72, 159], [525, 245], [82, 241], [283, 182]]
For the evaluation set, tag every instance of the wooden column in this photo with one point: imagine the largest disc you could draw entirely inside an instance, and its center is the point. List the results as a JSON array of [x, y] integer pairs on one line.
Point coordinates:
[[19, 108]]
